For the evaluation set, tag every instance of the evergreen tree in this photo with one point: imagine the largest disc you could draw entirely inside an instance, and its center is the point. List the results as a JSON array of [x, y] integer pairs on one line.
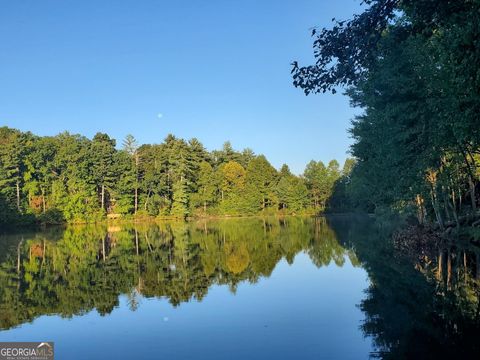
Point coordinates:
[[180, 205], [69, 177], [39, 172], [291, 191], [102, 156], [260, 184], [206, 185], [413, 67], [12, 147], [130, 146]]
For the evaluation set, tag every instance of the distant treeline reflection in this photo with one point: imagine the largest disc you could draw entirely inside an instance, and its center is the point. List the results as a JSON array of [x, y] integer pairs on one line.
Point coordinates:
[[83, 268], [419, 304]]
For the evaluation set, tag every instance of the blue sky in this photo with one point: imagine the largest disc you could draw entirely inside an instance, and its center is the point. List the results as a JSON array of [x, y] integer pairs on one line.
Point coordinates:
[[214, 69]]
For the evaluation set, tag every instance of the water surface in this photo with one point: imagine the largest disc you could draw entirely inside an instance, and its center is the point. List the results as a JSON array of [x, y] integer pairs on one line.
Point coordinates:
[[304, 288]]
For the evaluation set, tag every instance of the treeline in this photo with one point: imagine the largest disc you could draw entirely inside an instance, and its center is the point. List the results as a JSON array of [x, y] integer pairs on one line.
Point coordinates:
[[414, 68], [71, 178]]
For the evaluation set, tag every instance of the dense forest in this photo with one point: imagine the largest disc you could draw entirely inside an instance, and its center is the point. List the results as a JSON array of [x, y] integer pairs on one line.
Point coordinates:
[[413, 66], [71, 178]]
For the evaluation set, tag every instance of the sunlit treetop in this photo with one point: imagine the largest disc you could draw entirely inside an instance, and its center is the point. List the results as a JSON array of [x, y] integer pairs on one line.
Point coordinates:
[[345, 52]]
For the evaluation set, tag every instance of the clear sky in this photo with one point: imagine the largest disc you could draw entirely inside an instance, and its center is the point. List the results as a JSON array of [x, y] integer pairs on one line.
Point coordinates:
[[216, 70]]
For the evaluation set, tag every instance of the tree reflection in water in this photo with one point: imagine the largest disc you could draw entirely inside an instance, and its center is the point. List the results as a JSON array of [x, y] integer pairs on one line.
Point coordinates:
[[72, 271], [415, 307]]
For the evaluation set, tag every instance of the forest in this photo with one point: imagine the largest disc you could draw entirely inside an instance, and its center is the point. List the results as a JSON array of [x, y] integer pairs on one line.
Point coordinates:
[[70, 178], [413, 67]]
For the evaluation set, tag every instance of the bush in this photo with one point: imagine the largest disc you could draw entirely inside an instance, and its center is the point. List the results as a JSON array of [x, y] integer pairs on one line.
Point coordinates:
[[51, 217]]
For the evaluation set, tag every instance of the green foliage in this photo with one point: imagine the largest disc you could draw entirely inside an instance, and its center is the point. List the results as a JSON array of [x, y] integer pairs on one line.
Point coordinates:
[[180, 200], [414, 68], [291, 191], [71, 178], [231, 178], [51, 216], [320, 181], [9, 215], [206, 187], [102, 157], [73, 270], [260, 183]]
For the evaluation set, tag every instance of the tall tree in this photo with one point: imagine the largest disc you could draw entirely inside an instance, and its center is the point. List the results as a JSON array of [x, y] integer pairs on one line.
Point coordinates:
[[70, 177], [260, 181], [130, 145], [291, 191], [102, 155], [413, 67], [12, 148], [206, 185]]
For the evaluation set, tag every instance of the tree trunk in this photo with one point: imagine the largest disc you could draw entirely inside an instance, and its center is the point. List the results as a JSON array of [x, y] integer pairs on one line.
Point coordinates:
[[44, 205], [43, 255], [453, 206], [449, 269], [420, 209], [471, 178], [136, 241], [472, 194], [459, 192], [19, 255], [150, 247], [103, 197], [146, 200], [18, 194], [103, 247], [445, 204], [137, 161], [136, 199], [436, 207], [440, 266]]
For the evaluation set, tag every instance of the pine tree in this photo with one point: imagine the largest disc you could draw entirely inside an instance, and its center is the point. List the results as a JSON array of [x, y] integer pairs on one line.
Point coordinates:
[[102, 151], [180, 205], [206, 185], [130, 145], [260, 184], [12, 148]]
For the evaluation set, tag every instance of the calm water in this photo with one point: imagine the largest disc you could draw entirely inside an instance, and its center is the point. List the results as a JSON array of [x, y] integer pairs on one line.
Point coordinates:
[[298, 288]]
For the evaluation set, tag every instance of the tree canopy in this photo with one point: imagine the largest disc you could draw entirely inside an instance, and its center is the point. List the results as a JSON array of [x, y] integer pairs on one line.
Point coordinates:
[[413, 66], [72, 178]]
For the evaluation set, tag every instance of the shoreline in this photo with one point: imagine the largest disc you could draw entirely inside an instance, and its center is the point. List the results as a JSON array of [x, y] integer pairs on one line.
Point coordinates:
[[148, 219]]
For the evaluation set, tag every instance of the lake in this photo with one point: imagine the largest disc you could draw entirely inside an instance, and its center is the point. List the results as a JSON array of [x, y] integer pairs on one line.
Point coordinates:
[[285, 288]]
